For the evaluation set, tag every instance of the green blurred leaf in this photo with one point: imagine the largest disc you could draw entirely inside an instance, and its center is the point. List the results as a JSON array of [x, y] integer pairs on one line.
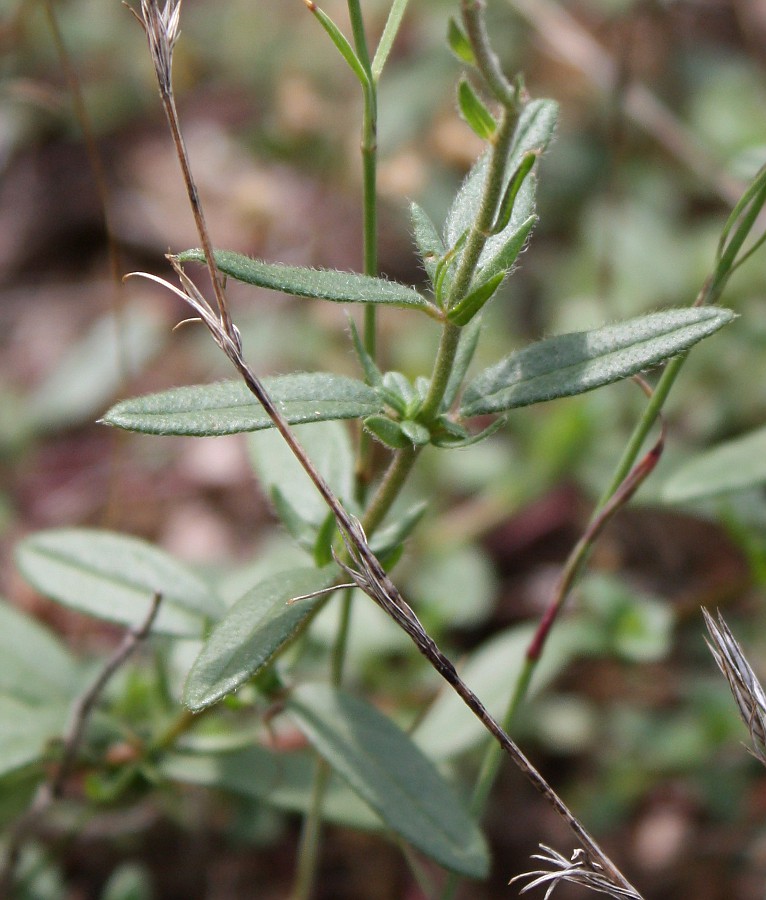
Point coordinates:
[[449, 728], [114, 577], [459, 43], [731, 466], [417, 434], [318, 284], [27, 729], [478, 118], [574, 363], [228, 407], [34, 665], [129, 881], [285, 780], [255, 628], [386, 769], [329, 447], [92, 371]]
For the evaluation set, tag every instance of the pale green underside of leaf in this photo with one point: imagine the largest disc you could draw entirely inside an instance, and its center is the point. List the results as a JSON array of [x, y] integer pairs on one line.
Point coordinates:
[[284, 780], [228, 407], [449, 728], [253, 630], [390, 773], [574, 363], [114, 577], [317, 284], [34, 665], [329, 447], [26, 730], [732, 466]]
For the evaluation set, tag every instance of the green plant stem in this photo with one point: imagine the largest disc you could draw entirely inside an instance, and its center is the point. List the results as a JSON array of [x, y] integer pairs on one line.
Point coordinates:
[[389, 488], [308, 854]]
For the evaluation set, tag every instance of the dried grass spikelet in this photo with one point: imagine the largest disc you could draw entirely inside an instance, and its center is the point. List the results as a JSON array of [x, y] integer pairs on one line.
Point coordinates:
[[578, 869], [745, 686]]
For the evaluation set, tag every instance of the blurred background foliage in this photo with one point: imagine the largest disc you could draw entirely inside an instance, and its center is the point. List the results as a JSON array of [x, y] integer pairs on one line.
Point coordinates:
[[663, 121]]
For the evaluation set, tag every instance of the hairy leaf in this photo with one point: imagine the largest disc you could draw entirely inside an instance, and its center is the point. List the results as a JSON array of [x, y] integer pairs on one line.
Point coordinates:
[[228, 407], [427, 240], [255, 628], [317, 284], [386, 769], [533, 133], [574, 363], [114, 577]]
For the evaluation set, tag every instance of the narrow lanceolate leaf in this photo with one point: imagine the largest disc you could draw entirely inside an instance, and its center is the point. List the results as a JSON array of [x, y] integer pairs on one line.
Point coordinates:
[[228, 407], [386, 769], [114, 577], [253, 630], [472, 109], [459, 43], [574, 363], [316, 284], [735, 465], [463, 311]]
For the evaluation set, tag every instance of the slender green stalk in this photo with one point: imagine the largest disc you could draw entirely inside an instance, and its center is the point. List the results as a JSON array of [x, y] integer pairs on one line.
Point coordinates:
[[308, 853]]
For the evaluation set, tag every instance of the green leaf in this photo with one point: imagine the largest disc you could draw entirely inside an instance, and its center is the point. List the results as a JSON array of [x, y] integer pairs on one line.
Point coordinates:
[[301, 530], [512, 191], [341, 43], [731, 466], [391, 29], [228, 407], [502, 262], [255, 628], [533, 133], [114, 577], [315, 284], [478, 118], [417, 434], [392, 533], [464, 310], [284, 780], [459, 43], [387, 770], [34, 665], [372, 374], [329, 447], [449, 729], [388, 432], [26, 731], [92, 371], [574, 363], [427, 240], [323, 545]]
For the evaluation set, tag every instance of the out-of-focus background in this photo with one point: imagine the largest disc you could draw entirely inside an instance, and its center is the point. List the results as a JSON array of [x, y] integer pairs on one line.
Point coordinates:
[[663, 121]]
